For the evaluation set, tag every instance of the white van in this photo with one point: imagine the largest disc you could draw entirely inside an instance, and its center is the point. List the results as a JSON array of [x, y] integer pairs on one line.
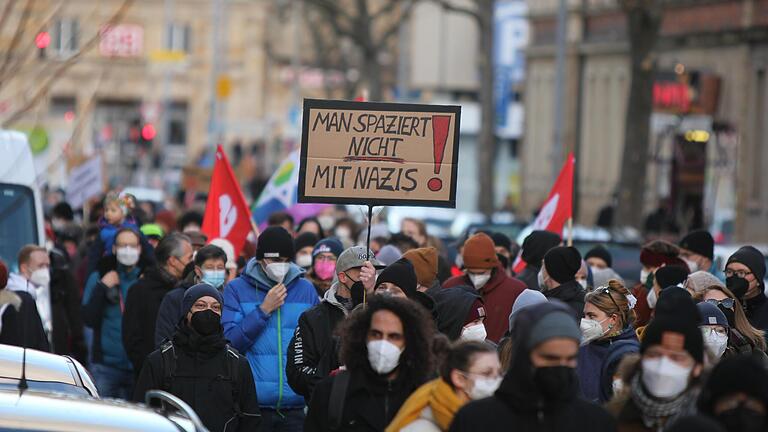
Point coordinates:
[[21, 210]]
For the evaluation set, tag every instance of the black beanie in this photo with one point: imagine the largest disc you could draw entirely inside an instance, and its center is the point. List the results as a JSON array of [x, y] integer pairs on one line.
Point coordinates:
[[306, 239], [699, 242], [601, 252], [274, 242], [670, 329], [193, 293], [562, 263], [738, 374], [537, 244], [402, 274], [501, 240], [752, 258], [678, 303], [670, 275]]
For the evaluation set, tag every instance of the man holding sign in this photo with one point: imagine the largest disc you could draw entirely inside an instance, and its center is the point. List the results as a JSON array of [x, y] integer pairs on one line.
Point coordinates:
[[261, 310]]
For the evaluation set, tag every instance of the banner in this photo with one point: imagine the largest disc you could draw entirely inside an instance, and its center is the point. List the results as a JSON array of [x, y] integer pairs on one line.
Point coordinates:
[[376, 153], [85, 182], [280, 194], [226, 213], [557, 209]]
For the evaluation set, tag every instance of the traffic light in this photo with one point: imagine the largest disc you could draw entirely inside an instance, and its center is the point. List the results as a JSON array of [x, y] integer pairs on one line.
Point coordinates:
[[147, 134], [42, 40]]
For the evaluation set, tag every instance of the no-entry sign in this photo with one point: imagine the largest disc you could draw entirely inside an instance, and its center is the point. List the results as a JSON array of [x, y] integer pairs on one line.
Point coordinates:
[[379, 153]]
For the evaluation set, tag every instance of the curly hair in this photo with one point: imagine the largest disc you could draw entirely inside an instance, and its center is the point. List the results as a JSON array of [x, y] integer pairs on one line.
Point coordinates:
[[416, 361]]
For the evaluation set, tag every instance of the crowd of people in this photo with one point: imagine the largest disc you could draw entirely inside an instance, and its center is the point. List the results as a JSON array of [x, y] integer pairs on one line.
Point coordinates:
[[305, 328]]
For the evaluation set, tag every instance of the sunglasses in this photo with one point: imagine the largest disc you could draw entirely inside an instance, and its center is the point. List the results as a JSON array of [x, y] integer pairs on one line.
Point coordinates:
[[607, 291], [728, 303]]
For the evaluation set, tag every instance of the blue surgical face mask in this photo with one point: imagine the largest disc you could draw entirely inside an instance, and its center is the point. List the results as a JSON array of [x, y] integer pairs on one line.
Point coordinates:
[[214, 278]]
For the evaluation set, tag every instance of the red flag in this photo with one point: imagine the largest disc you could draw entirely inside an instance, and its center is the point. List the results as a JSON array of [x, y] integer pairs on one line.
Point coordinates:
[[558, 207], [226, 213]]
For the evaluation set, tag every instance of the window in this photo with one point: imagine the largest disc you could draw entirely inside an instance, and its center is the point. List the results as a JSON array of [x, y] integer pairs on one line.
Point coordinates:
[[177, 123], [18, 222], [61, 105], [65, 37], [177, 38]]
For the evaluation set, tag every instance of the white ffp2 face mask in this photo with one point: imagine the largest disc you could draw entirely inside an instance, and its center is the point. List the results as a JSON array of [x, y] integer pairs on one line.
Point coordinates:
[[484, 387], [384, 356], [41, 277], [475, 332], [644, 276], [479, 280], [590, 330], [715, 342], [277, 271], [652, 299], [664, 378], [304, 260], [127, 256]]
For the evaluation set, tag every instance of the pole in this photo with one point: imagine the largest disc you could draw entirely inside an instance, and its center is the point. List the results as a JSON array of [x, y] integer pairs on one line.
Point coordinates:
[[368, 241], [216, 48], [557, 150], [570, 231]]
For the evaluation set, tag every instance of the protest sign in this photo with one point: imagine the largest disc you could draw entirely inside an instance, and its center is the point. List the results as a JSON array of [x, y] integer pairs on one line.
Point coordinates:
[[376, 153], [84, 182]]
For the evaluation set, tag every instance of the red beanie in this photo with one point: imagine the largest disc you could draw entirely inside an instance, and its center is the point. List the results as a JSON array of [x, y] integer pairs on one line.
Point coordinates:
[[3, 274], [480, 252]]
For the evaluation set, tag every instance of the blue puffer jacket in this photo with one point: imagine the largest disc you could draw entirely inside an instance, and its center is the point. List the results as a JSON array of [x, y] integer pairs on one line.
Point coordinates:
[[598, 361], [264, 339]]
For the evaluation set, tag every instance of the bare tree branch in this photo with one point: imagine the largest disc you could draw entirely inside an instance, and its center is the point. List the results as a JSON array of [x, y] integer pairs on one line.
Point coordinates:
[[6, 14], [449, 6], [17, 35], [385, 10], [43, 89], [393, 29]]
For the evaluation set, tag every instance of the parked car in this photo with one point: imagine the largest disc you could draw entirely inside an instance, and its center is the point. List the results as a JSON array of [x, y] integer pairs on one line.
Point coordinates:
[[33, 410], [44, 372]]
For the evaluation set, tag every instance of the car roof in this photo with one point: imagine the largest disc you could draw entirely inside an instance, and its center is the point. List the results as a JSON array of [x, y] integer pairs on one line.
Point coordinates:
[[32, 410], [41, 366]]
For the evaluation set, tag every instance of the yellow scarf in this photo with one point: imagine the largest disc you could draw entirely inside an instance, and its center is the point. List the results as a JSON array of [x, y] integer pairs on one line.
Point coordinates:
[[436, 394]]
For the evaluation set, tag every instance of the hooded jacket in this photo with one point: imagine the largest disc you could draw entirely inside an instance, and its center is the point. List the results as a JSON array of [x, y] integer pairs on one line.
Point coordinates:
[[570, 293], [756, 309], [595, 376], [201, 379], [264, 339], [104, 314], [313, 350], [141, 306], [452, 305], [26, 320], [518, 405], [499, 294]]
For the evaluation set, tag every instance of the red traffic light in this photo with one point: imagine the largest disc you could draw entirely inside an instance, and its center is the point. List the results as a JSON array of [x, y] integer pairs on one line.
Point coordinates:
[[148, 132], [43, 39]]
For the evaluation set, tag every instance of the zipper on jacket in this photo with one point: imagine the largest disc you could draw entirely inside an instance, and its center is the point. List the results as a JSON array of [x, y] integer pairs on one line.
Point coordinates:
[[540, 413], [280, 370]]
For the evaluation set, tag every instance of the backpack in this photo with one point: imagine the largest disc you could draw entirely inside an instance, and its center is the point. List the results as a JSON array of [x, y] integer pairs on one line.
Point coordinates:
[[168, 354], [337, 399]]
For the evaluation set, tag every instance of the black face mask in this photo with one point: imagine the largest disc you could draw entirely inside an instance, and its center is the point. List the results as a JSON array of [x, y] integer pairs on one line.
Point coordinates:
[[556, 383], [206, 322], [730, 315], [739, 286], [741, 419], [357, 291]]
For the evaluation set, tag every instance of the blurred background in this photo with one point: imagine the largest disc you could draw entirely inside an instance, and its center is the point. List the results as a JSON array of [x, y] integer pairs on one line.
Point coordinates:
[[663, 102]]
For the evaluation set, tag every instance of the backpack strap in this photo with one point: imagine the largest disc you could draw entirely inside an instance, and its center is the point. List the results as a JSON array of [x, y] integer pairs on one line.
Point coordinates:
[[336, 402], [168, 354], [616, 352], [233, 366]]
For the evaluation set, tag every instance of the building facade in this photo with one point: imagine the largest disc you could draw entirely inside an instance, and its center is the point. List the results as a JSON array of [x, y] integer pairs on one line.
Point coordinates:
[[707, 141]]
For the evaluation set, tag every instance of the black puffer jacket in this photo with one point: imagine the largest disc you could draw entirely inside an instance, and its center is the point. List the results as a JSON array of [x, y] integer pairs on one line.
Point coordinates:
[[141, 306], [66, 315], [570, 293], [518, 405], [201, 378], [370, 404], [170, 313], [313, 350], [21, 327]]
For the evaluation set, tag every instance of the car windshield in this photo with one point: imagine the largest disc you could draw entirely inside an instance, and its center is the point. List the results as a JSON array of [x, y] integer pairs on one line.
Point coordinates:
[[18, 223], [44, 386]]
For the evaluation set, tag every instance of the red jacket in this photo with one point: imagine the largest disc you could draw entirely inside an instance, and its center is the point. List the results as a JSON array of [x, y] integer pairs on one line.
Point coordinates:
[[499, 294]]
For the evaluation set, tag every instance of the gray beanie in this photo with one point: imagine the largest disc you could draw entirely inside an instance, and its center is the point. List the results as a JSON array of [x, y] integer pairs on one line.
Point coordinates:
[[389, 254], [600, 277], [526, 298], [700, 280], [557, 324], [193, 293]]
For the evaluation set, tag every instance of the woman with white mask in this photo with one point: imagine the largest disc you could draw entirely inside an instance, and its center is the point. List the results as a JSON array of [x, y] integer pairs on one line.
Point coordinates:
[[470, 371], [607, 336], [386, 357], [714, 329], [664, 384]]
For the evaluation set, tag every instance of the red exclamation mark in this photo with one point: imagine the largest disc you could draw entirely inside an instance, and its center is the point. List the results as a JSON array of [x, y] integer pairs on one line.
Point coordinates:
[[440, 125]]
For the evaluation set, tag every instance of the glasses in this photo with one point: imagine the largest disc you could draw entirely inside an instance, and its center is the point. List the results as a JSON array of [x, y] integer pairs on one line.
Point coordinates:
[[607, 291], [739, 273], [325, 258], [728, 303]]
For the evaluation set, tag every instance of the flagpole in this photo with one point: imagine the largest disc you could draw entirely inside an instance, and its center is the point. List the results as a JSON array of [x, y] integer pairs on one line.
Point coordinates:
[[255, 228], [570, 231]]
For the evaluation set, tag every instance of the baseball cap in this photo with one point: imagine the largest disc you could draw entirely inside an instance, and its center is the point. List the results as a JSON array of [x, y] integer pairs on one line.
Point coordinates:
[[355, 257]]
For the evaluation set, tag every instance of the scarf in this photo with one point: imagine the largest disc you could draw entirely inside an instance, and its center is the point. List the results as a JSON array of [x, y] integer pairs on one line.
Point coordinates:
[[438, 396], [654, 411]]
